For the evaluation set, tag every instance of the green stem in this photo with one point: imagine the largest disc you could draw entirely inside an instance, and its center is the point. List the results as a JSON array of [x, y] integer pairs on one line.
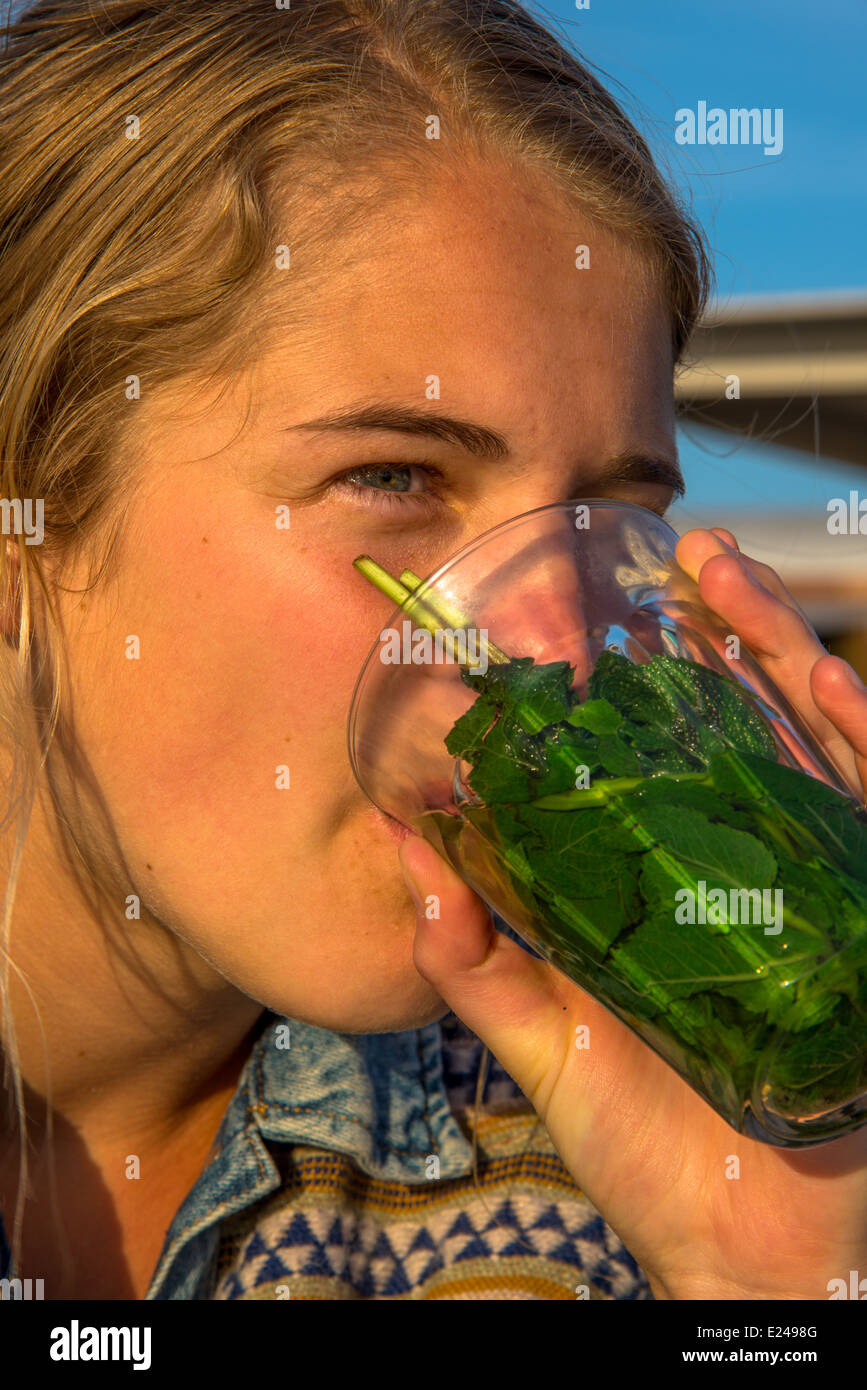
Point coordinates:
[[431, 611], [606, 789], [758, 792], [449, 616]]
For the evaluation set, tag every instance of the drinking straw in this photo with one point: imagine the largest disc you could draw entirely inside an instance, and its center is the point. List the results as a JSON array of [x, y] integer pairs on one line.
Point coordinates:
[[431, 611], [452, 617]]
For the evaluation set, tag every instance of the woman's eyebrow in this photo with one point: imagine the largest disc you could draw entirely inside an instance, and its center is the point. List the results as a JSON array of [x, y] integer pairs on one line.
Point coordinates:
[[630, 467], [643, 468], [476, 439]]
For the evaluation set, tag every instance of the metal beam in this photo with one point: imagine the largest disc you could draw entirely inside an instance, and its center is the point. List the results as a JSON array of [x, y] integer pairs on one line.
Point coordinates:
[[785, 369]]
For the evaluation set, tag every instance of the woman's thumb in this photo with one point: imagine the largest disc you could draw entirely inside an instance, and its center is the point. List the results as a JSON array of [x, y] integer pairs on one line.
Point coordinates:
[[515, 1003]]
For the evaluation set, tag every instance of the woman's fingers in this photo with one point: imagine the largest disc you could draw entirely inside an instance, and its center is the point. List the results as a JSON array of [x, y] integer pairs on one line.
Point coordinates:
[[723, 534], [841, 695], [697, 546], [775, 630], [520, 1007]]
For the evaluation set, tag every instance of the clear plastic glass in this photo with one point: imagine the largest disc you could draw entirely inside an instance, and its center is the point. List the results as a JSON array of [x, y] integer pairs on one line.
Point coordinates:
[[648, 812]]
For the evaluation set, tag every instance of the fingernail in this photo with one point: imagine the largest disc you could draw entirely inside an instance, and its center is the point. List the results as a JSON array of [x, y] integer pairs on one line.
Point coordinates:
[[854, 679]]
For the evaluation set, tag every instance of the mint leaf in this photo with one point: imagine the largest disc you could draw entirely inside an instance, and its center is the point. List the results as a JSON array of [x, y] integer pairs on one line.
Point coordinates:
[[724, 857], [533, 695], [465, 737], [685, 791], [598, 716], [696, 796]]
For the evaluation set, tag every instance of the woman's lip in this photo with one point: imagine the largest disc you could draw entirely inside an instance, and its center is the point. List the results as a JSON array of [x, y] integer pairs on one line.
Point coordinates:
[[396, 830]]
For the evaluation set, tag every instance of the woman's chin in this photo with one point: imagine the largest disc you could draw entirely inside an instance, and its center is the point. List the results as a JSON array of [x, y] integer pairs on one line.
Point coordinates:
[[415, 1009], [414, 1006]]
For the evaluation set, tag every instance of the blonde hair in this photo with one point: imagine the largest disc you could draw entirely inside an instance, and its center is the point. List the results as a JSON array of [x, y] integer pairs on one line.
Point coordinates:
[[152, 157]]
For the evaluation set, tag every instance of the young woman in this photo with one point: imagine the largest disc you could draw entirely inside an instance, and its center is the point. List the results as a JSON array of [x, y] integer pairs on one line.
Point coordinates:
[[238, 242]]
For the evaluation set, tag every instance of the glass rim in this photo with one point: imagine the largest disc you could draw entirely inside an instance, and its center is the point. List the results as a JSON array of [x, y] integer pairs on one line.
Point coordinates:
[[466, 550]]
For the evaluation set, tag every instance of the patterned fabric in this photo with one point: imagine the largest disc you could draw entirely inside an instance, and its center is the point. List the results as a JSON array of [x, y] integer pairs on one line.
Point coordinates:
[[333, 1233], [526, 1232], [343, 1170]]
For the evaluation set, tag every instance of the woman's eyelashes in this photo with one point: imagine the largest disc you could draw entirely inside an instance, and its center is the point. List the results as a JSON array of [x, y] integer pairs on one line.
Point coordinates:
[[388, 486]]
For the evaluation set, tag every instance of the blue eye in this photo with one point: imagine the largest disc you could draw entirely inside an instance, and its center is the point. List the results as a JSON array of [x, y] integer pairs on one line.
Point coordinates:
[[396, 490]]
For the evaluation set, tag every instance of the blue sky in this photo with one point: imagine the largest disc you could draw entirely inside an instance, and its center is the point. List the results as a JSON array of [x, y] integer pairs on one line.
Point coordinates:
[[794, 222]]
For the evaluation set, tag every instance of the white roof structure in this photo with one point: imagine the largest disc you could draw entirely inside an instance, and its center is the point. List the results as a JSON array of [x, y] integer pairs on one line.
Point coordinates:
[[791, 370], [801, 368]]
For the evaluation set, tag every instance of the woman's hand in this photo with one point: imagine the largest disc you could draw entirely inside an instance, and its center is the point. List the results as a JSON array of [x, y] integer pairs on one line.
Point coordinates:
[[651, 1155]]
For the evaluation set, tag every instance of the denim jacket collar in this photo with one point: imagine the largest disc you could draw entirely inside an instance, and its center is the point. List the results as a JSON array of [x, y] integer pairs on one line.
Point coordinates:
[[379, 1098]]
